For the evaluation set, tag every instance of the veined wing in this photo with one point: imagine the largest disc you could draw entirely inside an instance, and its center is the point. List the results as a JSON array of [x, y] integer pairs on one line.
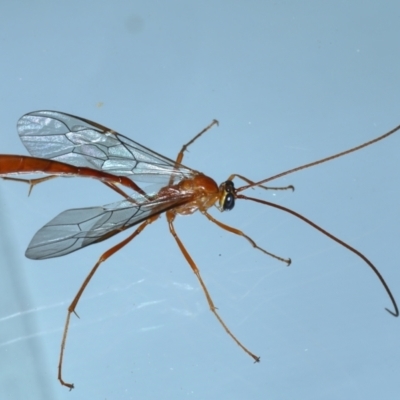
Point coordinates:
[[80, 227], [83, 143]]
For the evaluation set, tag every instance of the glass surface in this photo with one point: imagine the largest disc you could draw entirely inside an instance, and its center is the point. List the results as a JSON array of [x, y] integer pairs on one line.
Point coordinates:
[[289, 83]]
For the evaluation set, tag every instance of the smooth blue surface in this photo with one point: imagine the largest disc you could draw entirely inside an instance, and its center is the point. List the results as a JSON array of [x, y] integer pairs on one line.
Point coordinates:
[[290, 82]]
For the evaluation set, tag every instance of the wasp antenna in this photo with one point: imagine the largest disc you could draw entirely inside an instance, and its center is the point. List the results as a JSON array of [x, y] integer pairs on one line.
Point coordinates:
[[322, 160], [337, 240], [396, 314]]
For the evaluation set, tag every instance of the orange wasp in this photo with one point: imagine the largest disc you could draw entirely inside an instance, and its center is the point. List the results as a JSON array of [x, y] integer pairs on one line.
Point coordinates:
[[65, 145]]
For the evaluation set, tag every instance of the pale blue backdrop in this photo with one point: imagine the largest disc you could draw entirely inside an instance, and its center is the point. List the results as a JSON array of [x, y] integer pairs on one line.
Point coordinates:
[[290, 82]]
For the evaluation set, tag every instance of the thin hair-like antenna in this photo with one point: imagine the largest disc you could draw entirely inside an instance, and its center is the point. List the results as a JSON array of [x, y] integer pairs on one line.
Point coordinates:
[[312, 164], [337, 240]]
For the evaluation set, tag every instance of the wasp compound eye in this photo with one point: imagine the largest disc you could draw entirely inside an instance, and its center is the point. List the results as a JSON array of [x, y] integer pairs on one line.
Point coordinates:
[[229, 202]]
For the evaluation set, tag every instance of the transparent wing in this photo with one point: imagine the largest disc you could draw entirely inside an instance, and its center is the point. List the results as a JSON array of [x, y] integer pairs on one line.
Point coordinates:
[[76, 228], [83, 143]]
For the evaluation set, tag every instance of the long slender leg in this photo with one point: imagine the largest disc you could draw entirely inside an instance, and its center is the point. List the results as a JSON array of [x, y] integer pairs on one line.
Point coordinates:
[[243, 178], [120, 191], [30, 182], [72, 307], [170, 218], [185, 146], [240, 233], [179, 158], [36, 181]]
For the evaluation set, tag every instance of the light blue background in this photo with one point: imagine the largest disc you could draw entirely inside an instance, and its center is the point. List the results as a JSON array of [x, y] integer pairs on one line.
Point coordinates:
[[290, 82]]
